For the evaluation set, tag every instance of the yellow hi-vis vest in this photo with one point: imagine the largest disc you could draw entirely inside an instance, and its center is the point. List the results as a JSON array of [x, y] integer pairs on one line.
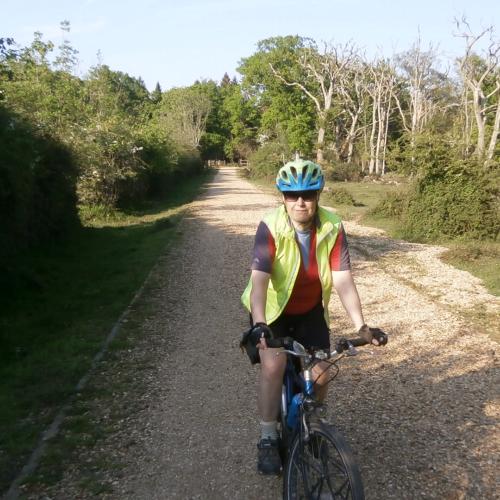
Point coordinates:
[[286, 262]]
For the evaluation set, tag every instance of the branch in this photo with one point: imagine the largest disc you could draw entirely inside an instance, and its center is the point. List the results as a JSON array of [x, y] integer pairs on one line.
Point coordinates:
[[296, 84], [398, 104]]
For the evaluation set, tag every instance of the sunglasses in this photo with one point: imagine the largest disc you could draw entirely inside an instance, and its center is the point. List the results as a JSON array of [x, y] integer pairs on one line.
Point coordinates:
[[305, 195]]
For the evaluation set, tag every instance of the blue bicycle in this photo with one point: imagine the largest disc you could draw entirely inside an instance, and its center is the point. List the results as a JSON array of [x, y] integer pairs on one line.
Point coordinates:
[[319, 463]]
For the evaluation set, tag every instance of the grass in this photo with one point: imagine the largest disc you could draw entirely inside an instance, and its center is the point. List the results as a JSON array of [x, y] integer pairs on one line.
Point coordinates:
[[480, 258], [366, 196], [112, 395], [59, 303]]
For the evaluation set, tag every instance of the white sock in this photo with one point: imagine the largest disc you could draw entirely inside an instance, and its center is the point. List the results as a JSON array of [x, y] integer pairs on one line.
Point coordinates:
[[268, 430]]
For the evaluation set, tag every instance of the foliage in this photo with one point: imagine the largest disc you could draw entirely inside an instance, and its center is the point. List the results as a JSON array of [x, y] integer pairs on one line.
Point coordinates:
[[267, 160], [184, 113], [100, 133], [37, 185], [242, 117], [283, 109], [392, 205], [341, 196], [452, 197], [340, 171]]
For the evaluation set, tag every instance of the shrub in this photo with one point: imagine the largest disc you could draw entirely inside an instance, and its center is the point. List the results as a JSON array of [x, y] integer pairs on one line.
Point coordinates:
[[340, 171], [37, 185], [267, 160], [452, 197], [341, 196], [392, 205]]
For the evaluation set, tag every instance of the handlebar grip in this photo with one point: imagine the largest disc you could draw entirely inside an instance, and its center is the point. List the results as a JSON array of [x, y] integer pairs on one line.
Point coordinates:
[[358, 342], [344, 344]]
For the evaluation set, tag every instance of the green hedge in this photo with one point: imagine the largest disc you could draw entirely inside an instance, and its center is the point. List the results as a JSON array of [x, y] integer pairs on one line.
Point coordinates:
[[37, 185]]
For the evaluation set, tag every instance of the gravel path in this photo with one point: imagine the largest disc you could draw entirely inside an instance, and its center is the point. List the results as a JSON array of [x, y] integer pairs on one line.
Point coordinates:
[[189, 426]]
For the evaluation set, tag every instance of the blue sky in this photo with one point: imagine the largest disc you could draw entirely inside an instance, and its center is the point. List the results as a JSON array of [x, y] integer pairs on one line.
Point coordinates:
[[177, 42]]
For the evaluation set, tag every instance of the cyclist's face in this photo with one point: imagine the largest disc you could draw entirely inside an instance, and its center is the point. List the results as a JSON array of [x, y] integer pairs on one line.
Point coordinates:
[[301, 206]]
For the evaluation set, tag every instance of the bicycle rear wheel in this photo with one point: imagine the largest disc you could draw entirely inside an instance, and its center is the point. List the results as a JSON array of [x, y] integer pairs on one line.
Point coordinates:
[[323, 468]]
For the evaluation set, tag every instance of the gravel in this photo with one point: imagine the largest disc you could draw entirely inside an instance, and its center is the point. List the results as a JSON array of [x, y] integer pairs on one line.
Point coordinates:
[[421, 414]]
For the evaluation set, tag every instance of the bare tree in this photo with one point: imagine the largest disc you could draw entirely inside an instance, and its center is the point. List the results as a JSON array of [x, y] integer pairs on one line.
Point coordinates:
[[481, 77], [421, 81], [380, 88], [353, 99], [323, 71]]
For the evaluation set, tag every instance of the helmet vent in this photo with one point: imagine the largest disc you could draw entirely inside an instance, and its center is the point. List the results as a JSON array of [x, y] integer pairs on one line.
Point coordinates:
[[293, 170]]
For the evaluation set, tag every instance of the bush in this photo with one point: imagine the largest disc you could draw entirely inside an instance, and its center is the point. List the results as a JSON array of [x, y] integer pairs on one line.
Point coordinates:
[[341, 196], [37, 185], [267, 160], [393, 205], [452, 197], [340, 171]]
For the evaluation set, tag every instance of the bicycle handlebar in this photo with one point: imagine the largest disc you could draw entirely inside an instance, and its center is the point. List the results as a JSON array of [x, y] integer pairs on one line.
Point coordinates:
[[280, 342], [341, 345]]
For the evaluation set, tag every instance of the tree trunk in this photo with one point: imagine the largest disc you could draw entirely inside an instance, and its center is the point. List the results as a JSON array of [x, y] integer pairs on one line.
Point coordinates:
[[386, 132], [379, 135], [494, 134], [321, 140], [480, 119], [371, 165]]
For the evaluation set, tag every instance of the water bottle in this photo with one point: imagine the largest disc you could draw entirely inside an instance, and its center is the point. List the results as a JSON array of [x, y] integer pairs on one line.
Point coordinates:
[[293, 412]]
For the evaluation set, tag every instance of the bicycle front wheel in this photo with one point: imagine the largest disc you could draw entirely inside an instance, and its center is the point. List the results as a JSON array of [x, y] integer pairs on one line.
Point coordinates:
[[323, 468]]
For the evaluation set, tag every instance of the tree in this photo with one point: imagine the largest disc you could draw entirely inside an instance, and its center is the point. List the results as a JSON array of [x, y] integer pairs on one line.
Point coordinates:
[[5, 50], [67, 58], [184, 113], [283, 112], [243, 118], [381, 89], [420, 82], [352, 98], [156, 94], [481, 77], [225, 80], [321, 75]]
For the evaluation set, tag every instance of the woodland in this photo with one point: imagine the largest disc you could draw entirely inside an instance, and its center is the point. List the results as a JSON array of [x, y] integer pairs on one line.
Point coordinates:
[[76, 145]]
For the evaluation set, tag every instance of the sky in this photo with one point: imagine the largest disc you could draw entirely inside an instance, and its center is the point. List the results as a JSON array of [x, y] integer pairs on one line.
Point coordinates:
[[176, 43]]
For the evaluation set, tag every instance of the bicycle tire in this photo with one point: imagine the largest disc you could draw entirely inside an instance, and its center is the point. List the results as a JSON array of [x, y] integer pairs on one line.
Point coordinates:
[[284, 432], [322, 468]]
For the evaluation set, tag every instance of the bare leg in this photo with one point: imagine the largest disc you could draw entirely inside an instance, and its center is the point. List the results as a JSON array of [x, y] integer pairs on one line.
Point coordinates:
[[270, 383], [321, 386]]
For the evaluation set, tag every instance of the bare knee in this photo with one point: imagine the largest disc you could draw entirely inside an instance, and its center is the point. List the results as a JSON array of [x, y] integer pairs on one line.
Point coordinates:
[[272, 366]]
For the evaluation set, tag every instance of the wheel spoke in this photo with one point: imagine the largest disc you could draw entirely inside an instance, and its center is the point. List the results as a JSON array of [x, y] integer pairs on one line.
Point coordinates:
[[322, 468]]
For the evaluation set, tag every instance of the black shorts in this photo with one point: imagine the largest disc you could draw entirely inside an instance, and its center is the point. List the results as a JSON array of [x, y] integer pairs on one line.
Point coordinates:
[[310, 328]]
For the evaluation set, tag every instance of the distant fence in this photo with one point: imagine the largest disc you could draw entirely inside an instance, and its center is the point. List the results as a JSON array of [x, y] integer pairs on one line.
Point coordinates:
[[216, 163], [223, 163]]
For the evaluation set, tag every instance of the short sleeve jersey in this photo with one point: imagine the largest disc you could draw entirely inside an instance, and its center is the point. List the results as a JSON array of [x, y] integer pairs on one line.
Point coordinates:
[[307, 289]]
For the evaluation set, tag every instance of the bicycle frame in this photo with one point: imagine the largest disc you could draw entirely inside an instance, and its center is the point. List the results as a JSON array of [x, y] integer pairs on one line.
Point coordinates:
[[317, 458], [298, 386]]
